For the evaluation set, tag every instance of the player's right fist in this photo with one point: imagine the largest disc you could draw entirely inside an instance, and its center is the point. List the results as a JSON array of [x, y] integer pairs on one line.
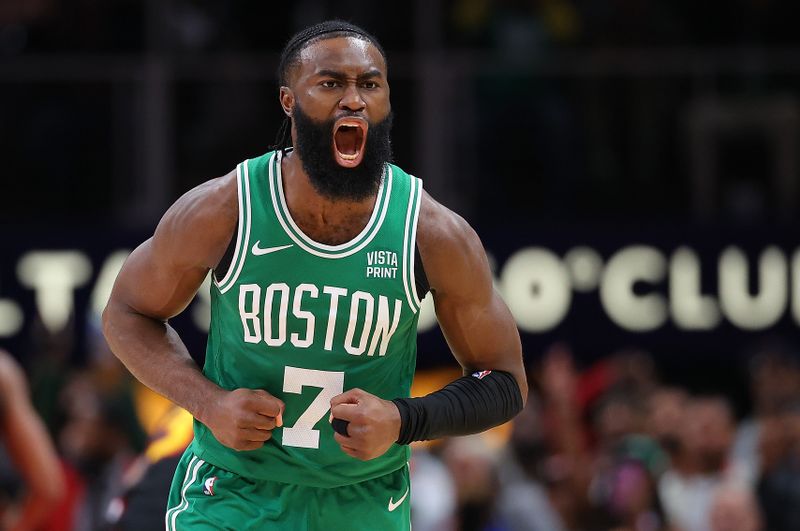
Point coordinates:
[[243, 419]]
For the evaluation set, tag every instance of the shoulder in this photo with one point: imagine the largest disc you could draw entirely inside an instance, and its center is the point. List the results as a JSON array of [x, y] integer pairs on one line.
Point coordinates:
[[201, 222], [442, 231], [206, 202], [447, 243]]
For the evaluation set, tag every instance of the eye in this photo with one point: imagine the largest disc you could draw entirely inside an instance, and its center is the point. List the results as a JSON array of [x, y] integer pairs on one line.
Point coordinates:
[[369, 85], [330, 83]]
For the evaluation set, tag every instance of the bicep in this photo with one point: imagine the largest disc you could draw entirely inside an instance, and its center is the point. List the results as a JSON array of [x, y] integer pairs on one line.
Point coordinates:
[[474, 319], [478, 325], [160, 278], [153, 282]]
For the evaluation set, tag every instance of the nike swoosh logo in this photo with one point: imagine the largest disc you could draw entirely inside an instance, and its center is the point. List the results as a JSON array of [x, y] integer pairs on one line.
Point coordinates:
[[395, 504], [258, 251]]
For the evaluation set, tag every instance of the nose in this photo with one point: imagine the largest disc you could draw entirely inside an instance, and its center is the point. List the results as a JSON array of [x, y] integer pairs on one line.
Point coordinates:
[[351, 99]]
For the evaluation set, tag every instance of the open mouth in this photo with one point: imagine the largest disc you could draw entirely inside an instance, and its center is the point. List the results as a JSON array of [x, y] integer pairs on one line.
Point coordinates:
[[349, 137]]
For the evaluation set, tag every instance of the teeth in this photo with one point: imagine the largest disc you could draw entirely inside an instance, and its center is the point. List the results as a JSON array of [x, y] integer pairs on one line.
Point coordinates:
[[347, 125], [350, 126]]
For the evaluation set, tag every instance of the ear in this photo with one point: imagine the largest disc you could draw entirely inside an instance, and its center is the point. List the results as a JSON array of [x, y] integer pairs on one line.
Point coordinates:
[[287, 101]]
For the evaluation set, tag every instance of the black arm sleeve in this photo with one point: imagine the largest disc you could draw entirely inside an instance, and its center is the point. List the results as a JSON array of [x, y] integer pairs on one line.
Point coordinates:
[[468, 405]]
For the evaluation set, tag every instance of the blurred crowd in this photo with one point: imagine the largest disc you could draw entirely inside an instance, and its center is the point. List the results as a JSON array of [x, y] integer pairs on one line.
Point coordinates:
[[608, 447], [612, 448], [105, 449]]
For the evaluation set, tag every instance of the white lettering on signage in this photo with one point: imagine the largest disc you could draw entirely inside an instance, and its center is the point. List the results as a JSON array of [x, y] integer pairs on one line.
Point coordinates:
[[640, 288]]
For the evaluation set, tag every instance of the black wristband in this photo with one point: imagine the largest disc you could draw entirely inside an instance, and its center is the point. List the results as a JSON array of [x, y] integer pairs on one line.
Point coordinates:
[[468, 405], [340, 426]]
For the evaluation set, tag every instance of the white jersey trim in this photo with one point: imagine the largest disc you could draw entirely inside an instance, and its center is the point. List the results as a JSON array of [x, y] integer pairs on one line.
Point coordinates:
[[242, 242], [239, 229], [410, 243], [192, 468], [413, 242], [318, 249]]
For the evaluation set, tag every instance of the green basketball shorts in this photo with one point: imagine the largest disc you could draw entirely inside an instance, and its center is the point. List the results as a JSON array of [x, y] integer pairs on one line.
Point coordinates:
[[206, 497]]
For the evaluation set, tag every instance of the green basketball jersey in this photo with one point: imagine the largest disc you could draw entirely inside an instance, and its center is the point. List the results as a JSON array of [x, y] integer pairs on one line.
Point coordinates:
[[306, 321]]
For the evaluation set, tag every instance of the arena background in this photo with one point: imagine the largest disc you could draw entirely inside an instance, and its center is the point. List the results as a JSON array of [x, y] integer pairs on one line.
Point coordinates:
[[631, 166]]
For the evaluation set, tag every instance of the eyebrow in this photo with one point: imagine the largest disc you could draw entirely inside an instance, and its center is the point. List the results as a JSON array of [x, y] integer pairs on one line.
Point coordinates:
[[370, 74]]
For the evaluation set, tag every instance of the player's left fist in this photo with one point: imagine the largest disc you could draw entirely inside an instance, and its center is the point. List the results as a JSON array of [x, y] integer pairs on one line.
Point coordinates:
[[373, 424]]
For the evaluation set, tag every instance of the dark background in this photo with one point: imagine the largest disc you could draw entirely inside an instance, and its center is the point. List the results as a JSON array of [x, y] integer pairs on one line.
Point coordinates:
[[546, 123]]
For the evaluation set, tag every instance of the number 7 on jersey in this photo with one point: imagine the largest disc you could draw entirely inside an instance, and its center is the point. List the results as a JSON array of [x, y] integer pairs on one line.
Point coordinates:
[[303, 434]]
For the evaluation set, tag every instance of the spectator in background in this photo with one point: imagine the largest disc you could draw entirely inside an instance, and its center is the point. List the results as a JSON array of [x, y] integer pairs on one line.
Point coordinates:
[[100, 439], [433, 499], [735, 509], [706, 437], [665, 415], [627, 462], [609, 473], [96, 425], [618, 415], [142, 502], [30, 450], [568, 467], [523, 503], [774, 385], [779, 455], [473, 466], [627, 466]]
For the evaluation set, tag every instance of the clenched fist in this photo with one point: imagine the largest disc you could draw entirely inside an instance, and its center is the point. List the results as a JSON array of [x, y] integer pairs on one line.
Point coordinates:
[[373, 423], [243, 419]]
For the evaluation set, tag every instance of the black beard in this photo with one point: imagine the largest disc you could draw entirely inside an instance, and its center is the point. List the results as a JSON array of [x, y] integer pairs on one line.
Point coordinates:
[[315, 148]]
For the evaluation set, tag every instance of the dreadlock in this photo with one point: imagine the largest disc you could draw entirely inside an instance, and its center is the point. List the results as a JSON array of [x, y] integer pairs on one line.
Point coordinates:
[[290, 57]]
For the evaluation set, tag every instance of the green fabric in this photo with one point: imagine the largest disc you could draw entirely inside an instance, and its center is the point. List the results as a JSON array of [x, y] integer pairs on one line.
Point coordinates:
[[206, 497], [306, 321]]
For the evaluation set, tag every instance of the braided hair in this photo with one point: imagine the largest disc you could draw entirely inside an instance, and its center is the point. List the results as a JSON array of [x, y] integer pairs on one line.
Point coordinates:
[[290, 57]]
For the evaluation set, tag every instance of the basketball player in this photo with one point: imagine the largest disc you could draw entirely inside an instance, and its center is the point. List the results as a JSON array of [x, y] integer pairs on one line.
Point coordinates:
[[320, 253]]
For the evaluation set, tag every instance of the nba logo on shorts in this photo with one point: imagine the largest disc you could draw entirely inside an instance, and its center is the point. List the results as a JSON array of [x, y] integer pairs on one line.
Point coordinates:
[[208, 486], [481, 374]]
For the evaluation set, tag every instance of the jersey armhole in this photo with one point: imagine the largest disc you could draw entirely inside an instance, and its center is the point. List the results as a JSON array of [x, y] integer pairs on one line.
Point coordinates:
[[421, 283], [225, 262], [410, 244], [240, 243]]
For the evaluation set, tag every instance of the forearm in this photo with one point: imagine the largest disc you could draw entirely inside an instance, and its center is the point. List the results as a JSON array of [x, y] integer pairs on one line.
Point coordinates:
[[155, 354], [468, 405]]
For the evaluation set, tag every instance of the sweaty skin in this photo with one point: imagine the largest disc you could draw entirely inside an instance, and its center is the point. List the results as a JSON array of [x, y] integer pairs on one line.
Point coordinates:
[[335, 77], [475, 321]]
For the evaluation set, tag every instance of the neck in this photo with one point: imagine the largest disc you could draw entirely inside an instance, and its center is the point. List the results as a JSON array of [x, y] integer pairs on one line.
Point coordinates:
[[325, 220]]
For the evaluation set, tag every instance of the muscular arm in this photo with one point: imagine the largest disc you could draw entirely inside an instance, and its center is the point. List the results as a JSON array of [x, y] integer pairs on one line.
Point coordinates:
[[479, 329], [482, 336], [477, 324], [157, 282]]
